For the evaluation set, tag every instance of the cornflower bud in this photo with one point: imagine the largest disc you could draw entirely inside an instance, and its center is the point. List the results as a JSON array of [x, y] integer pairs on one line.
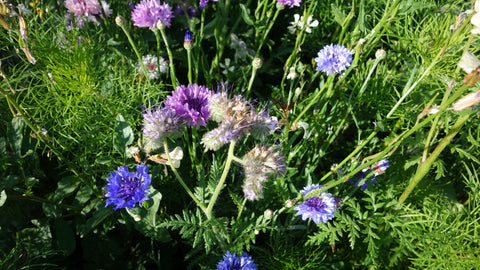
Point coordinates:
[[187, 41], [380, 54], [268, 214]]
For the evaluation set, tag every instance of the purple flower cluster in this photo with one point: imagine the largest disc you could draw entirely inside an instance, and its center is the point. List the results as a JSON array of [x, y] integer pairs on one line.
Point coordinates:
[[320, 208], [232, 262], [237, 118], [125, 188], [91, 9], [147, 13], [191, 104], [290, 3], [380, 167], [260, 163], [333, 59], [203, 3]]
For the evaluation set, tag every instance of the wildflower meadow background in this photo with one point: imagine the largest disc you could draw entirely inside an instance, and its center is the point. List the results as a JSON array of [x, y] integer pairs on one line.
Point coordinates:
[[257, 134]]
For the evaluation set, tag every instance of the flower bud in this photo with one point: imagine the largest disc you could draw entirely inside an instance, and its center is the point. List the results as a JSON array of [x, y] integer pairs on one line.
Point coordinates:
[[187, 41], [257, 63], [268, 214], [161, 25], [289, 203], [380, 54], [119, 20]]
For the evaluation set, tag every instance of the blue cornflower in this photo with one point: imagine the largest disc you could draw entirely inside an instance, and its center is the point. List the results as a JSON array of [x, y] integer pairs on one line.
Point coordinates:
[[320, 208], [125, 188], [232, 262], [333, 59]]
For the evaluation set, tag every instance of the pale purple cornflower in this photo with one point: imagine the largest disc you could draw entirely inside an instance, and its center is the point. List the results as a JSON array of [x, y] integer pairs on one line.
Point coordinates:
[[290, 3], [223, 134], [159, 124], [203, 3], [91, 9], [320, 208], [232, 262], [258, 164], [153, 65], [148, 12], [333, 59], [125, 188], [191, 104]]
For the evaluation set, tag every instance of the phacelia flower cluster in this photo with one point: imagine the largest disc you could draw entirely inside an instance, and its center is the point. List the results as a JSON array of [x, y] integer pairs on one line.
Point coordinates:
[[125, 188], [290, 3], [334, 59], [232, 262], [320, 208], [153, 66], [91, 9], [191, 103], [259, 164], [237, 118], [378, 168], [159, 124], [147, 13]]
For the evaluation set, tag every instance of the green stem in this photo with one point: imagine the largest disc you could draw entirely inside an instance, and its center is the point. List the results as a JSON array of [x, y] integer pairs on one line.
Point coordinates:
[[170, 58], [130, 40], [219, 187], [252, 78], [241, 208], [189, 57], [424, 168], [179, 178], [314, 100]]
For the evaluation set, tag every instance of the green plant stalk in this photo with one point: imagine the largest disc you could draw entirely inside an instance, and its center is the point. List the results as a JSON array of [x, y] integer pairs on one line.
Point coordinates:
[[252, 78], [364, 86], [329, 83], [265, 34], [170, 58], [424, 168], [241, 208], [157, 37], [189, 58], [130, 40], [179, 178], [219, 186]]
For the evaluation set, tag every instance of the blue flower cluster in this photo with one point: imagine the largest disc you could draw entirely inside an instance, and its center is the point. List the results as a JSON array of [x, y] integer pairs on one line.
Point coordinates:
[[232, 262]]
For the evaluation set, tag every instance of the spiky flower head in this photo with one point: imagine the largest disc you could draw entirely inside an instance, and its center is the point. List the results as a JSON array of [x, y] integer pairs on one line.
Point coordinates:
[[232, 262], [262, 124], [218, 137], [125, 188], [333, 59], [319, 208], [191, 104], [91, 9], [148, 13], [159, 124], [153, 66], [290, 3], [258, 164]]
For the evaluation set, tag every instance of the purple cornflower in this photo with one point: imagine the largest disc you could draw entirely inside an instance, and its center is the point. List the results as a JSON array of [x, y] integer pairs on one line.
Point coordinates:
[[125, 188], [290, 3], [333, 59], [91, 9], [232, 262], [203, 3], [320, 208], [191, 104], [159, 124], [260, 163], [148, 12]]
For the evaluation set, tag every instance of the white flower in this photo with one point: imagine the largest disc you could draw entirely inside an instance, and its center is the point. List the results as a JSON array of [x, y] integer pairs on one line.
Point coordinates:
[[299, 23], [227, 68], [292, 74], [153, 65], [469, 62]]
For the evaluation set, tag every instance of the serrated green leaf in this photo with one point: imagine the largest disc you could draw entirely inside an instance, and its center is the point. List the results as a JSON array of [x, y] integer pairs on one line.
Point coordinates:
[[123, 135]]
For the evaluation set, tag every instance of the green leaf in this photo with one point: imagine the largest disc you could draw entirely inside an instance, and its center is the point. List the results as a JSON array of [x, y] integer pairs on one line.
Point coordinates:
[[123, 135], [3, 198], [64, 236], [14, 135], [246, 15], [100, 214], [66, 187]]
